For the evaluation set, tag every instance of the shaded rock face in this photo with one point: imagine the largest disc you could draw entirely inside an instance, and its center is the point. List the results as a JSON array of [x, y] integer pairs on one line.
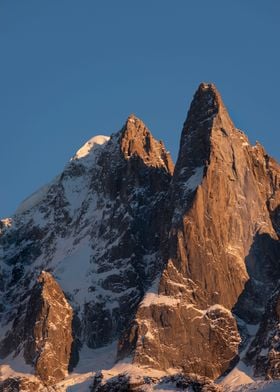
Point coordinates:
[[222, 202], [177, 382], [264, 351], [22, 384]]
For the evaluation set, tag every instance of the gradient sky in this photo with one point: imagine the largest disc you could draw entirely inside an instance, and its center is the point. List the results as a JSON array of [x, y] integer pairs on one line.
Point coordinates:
[[74, 69]]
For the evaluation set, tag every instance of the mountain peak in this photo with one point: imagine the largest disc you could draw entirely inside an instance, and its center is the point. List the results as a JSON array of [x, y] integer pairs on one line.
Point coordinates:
[[137, 141], [133, 119], [90, 146], [207, 116], [208, 86], [207, 103]]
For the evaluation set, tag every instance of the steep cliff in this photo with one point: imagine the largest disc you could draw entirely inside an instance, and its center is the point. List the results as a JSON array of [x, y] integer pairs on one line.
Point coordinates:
[[177, 265], [96, 228], [44, 334], [221, 203]]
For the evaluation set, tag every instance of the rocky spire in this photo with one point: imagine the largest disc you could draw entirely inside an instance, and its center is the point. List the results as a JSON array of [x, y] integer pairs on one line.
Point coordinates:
[[207, 115], [48, 330], [220, 235], [137, 141], [206, 105]]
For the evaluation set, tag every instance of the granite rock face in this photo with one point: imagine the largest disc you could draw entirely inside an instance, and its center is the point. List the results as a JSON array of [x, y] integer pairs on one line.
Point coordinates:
[[221, 202], [172, 263], [48, 330], [44, 335]]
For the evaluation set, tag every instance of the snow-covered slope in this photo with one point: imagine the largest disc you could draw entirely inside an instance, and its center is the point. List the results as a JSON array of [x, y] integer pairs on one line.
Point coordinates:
[[91, 228]]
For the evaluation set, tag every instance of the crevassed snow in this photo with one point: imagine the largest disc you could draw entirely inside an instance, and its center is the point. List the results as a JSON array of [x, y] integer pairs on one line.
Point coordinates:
[[195, 179], [90, 145]]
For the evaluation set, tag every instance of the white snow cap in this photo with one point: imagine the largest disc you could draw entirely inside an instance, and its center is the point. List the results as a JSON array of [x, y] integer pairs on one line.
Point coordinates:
[[90, 145]]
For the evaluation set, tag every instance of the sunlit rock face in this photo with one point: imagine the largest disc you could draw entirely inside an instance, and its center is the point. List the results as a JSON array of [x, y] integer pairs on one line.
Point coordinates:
[[44, 335], [221, 204], [173, 263], [48, 330]]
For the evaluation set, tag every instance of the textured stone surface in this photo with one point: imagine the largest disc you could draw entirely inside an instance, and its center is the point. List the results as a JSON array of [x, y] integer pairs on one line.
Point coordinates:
[[48, 330], [23, 384], [157, 257], [97, 228], [221, 202], [182, 336], [44, 334]]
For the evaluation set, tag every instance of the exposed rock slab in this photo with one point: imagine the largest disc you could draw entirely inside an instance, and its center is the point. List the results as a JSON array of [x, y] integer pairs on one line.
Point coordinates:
[[219, 209], [48, 330], [45, 334]]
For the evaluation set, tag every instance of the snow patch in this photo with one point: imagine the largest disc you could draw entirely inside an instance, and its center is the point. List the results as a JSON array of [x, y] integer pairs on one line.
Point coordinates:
[[91, 361], [73, 270], [195, 179], [153, 298], [15, 366], [240, 375], [90, 145], [218, 307], [157, 299]]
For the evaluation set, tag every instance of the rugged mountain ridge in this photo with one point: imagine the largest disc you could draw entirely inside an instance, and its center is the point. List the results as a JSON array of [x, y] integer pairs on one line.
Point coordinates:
[[96, 228], [222, 196], [176, 267]]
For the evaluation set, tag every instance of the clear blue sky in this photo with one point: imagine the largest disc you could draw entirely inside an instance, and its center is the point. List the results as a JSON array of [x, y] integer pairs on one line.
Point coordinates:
[[74, 69]]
